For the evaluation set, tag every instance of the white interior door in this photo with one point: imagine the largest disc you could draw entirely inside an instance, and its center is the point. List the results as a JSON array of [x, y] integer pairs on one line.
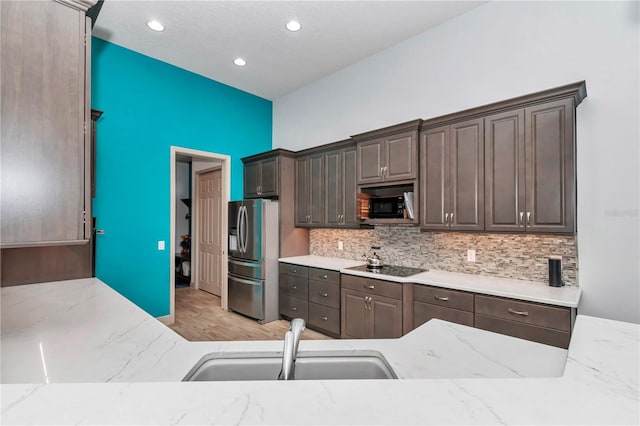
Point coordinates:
[[209, 236]]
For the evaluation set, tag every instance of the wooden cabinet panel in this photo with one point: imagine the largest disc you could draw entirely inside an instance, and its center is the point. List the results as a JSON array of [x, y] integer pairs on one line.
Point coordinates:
[[423, 312], [452, 177], [324, 275], [386, 318], [543, 335], [45, 151], [443, 297], [302, 195], [524, 312], [333, 188], [294, 270], [292, 307], [401, 154], [324, 293], [324, 318], [434, 157], [261, 178], [370, 161], [372, 286], [294, 286], [316, 189], [504, 171], [354, 315], [269, 177], [251, 179], [467, 176], [550, 167], [350, 188]]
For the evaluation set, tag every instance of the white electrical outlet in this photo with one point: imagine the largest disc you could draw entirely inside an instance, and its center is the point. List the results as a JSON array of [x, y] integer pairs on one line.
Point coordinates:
[[340, 245], [471, 255], [160, 245]]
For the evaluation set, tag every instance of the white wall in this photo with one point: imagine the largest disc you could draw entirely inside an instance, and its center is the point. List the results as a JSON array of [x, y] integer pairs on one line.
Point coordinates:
[[502, 50]]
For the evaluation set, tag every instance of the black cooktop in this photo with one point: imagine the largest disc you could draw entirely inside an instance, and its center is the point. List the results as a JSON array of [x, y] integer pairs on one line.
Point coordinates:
[[393, 270]]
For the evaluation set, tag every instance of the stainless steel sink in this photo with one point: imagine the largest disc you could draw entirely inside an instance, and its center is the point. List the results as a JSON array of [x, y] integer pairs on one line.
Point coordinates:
[[329, 365]]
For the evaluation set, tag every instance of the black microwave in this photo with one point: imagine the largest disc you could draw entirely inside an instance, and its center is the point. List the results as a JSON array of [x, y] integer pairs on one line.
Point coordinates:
[[386, 207]]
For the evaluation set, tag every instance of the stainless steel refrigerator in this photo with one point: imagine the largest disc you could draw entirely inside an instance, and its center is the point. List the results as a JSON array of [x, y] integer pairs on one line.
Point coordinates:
[[253, 258]]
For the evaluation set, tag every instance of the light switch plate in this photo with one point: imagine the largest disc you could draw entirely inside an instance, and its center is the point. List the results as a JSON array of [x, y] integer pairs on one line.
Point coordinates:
[[160, 245]]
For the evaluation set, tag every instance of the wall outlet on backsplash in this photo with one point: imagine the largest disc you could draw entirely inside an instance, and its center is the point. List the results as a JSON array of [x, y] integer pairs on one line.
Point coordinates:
[[340, 245], [471, 255]]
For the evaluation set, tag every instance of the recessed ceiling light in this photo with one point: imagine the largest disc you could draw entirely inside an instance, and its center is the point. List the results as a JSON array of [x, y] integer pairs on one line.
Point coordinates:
[[240, 62], [293, 26], [155, 25]]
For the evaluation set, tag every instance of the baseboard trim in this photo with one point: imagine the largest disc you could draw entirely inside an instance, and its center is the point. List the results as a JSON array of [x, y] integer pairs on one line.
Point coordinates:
[[166, 319]]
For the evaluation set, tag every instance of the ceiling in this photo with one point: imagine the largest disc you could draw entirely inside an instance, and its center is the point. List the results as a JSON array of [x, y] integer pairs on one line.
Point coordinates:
[[206, 36]]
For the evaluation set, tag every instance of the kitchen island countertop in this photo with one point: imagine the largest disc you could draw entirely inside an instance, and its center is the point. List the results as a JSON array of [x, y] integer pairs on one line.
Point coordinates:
[[108, 362]]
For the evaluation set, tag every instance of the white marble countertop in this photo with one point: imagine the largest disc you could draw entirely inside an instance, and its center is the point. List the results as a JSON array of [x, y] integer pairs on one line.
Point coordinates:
[[531, 291], [78, 335]]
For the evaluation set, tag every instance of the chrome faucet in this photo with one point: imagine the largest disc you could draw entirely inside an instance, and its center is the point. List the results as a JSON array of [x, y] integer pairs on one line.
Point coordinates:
[[290, 350]]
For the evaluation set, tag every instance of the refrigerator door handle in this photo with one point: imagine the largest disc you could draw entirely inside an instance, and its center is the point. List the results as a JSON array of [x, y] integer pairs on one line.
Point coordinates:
[[245, 233], [238, 216], [241, 230]]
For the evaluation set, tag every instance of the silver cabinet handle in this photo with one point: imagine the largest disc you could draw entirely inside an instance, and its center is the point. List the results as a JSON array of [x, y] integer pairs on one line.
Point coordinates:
[[446, 219], [522, 313], [381, 171], [294, 271], [451, 219], [370, 287], [324, 318], [324, 294], [324, 276], [521, 217], [293, 308], [443, 299], [528, 218], [293, 287]]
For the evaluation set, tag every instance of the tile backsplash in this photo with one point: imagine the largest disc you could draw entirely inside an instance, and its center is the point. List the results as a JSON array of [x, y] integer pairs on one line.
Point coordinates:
[[516, 256]]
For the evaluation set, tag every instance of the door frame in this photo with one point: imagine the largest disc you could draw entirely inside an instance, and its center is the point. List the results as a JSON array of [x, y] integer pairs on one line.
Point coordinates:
[[225, 165], [195, 245]]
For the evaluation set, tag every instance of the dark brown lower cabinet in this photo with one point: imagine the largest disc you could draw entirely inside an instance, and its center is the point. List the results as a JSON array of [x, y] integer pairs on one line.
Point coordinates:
[[423, 312], [540, 323], [440, 303], [370, 309]]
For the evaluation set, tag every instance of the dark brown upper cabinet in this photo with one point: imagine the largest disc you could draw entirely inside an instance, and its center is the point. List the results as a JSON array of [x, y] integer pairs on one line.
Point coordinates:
[[45, 115], [341, 188], [388, 155], [261, 178], [452, 177], [530, 163], [309, 183]]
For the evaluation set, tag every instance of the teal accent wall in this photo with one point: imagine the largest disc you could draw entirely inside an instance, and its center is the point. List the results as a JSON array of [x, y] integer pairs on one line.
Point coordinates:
[[149, 106]]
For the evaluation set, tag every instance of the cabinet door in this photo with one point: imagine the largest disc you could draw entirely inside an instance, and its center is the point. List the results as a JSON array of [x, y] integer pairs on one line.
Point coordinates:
[[434, 178], [269, 177], [386, 318], [316, 189], [350, 188], [504, 171], [43, 115], [302, 194], [466, 209], [251, 179], [401, 154], [333, 188], [370, 161], [355, 315], [550, 167]]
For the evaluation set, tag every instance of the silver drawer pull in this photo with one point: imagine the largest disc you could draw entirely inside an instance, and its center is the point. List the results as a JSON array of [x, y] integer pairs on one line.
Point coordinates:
[[324, 318], [324, 276], [444, 299], [370, 287], [293, 271], [324, 294], [293, 308], [523, 313], [293, 287]]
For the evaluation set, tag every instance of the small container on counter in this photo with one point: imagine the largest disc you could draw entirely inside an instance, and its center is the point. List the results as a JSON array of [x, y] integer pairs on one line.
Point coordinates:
[[555, 271]]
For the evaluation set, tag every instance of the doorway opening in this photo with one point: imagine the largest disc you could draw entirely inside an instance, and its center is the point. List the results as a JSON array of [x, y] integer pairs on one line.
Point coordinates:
[[206, 259]]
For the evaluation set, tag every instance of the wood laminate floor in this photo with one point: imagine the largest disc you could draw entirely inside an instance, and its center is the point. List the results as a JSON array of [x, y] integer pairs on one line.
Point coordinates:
[[199, 317]]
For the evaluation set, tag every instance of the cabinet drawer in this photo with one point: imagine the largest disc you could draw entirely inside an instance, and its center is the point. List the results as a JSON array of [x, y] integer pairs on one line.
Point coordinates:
[[294, 308], [324, 318], [372, 286], [294, 286], [423, 312], [524, 312], [447, 298], [324, 275], [534, 333], [294, 270], [324, 294]]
